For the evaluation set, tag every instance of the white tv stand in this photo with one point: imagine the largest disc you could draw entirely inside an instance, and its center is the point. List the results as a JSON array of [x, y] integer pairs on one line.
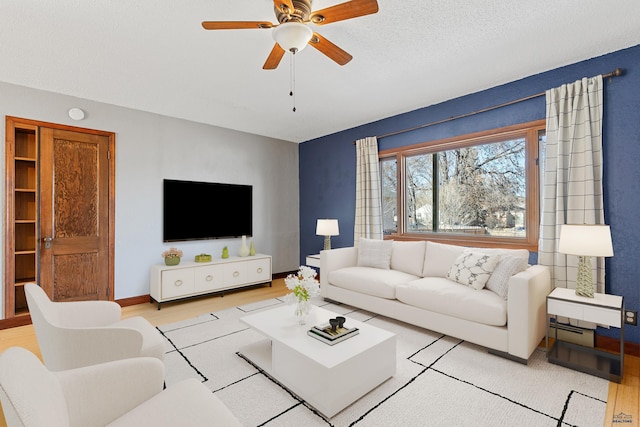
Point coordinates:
[[188, 279]]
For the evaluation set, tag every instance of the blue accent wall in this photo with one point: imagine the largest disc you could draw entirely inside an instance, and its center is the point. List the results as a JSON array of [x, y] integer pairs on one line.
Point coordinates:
[[327, 164]]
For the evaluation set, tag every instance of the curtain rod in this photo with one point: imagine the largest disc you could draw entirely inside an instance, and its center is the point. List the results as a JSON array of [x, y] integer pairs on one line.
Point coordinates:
[[615, 73]]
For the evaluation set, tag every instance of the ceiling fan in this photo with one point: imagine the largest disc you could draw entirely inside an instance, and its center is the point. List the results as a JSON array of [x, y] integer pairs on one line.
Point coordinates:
[[292, 33]]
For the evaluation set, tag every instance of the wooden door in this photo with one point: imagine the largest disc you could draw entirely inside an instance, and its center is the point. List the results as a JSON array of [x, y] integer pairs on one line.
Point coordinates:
[[75, 243]]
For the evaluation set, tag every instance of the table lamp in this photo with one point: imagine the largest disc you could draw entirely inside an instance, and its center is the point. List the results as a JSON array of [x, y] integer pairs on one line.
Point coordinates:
[[585, 241], [327, 228]]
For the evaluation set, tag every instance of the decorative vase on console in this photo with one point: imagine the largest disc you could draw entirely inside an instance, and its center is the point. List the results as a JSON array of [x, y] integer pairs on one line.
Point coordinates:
[[244, 249], [172, 256], [252, 249]]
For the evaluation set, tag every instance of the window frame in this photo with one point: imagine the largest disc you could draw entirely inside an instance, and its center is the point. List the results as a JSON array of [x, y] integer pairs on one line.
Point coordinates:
[[529, 130]]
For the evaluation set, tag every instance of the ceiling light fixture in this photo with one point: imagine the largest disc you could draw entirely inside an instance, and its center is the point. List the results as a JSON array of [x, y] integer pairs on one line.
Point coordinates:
[[76, 113], [292, 37]]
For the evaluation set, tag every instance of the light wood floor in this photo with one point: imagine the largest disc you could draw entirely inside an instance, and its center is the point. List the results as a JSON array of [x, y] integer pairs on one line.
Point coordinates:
[[623, 398]]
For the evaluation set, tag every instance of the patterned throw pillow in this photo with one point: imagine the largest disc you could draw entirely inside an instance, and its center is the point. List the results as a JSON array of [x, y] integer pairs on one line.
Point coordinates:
[[507, 267], [473, 269], [374, 253]]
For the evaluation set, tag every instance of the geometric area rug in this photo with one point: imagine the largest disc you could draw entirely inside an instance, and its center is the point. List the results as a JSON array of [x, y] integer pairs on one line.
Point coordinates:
[[439, 380]]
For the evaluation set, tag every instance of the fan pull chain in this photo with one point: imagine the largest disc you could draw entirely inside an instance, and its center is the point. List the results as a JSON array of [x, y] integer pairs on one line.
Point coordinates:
[[292, 84]]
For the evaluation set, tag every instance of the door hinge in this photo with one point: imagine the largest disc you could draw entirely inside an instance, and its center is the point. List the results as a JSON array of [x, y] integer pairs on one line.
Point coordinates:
[[108, 155]]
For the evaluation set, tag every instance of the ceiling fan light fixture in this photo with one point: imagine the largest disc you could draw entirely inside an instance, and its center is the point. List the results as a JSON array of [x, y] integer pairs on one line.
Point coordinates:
[[292, 36]]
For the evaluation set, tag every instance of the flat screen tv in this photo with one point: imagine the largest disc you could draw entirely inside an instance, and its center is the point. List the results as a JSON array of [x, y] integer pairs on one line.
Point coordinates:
[[206, 210]]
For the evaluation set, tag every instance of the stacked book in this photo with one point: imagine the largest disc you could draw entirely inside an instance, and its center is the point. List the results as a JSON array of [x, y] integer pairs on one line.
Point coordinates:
[[327, 334]]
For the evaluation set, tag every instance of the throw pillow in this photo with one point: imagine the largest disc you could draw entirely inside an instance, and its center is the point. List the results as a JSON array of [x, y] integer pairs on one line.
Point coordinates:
[[408, 257], [507, 267], [439, 257], [473, 269], [520, 253], [374, 253]]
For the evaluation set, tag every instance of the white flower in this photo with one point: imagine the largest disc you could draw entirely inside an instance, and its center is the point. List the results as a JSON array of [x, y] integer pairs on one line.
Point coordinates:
[[304, 285]]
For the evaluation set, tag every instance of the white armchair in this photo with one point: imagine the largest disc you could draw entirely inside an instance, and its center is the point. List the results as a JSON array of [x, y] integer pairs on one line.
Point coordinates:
[[82, 333], [119, 393]]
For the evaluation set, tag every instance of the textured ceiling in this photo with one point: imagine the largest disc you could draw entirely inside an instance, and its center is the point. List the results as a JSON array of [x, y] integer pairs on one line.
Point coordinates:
[[154, 56]]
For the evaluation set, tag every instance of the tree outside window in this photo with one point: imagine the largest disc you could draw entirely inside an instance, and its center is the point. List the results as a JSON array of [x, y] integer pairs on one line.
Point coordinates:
[[389, 177]]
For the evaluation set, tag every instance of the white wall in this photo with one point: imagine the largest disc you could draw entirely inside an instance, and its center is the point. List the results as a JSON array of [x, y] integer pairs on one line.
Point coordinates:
[[150, 147]]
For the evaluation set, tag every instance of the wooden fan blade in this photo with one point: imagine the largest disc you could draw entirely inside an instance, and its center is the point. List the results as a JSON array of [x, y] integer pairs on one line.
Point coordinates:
[[288, 4], [330, 49], [235, 25], [274, 58], [342, 11]]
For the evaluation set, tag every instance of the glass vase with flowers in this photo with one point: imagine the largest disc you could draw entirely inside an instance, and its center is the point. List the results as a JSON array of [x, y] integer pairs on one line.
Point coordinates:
[[304, 286]]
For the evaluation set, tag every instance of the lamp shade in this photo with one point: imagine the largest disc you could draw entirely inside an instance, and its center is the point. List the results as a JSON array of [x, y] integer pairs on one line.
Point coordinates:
[[327, 227], [292, 36], [586, 240]]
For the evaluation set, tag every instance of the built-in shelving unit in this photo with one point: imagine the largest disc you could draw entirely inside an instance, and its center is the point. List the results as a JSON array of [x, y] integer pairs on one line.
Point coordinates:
[[21, 248]]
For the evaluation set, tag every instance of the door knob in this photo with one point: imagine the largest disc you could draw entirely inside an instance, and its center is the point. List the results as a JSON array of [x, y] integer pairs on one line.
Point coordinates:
[[47, 242]]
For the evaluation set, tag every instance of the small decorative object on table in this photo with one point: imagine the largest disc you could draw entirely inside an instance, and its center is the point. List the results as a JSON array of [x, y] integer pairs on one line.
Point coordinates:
[[225, 252], [203, 258], [172, 256], [304, 286], [244, 249], [252, 249], [333, 332]]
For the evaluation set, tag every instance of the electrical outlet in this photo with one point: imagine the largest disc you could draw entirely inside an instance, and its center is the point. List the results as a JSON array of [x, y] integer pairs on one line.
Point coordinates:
[[631, 317]]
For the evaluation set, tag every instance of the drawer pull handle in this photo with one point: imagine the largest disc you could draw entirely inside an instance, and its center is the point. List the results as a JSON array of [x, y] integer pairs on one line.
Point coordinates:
[[178, 282], [236, 273], [209, 278], [260, 270]]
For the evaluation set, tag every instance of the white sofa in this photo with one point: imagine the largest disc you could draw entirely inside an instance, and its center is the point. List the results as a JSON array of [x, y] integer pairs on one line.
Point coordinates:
[[414, 282]]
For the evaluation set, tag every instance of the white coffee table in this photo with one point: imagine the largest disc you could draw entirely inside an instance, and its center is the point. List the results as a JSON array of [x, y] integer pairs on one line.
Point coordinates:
[[329, 378]]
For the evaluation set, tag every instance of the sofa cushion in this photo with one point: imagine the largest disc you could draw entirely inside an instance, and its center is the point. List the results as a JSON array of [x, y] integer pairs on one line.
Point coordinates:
[[408, 257], [439, 258], [445, 296], [186, 403], [370, 281], [507, 267], [473, 268], [520, 253], [374, 253]]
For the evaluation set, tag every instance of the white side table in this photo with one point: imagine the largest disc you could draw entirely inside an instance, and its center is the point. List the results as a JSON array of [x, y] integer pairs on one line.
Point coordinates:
[[313, 260], [602, 309]]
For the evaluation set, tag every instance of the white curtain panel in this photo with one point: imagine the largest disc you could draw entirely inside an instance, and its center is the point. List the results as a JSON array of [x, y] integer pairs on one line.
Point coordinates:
[[572, 178], [368, 221]]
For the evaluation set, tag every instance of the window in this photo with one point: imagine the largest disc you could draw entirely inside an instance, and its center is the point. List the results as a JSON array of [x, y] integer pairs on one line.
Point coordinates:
[[475, 189]]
